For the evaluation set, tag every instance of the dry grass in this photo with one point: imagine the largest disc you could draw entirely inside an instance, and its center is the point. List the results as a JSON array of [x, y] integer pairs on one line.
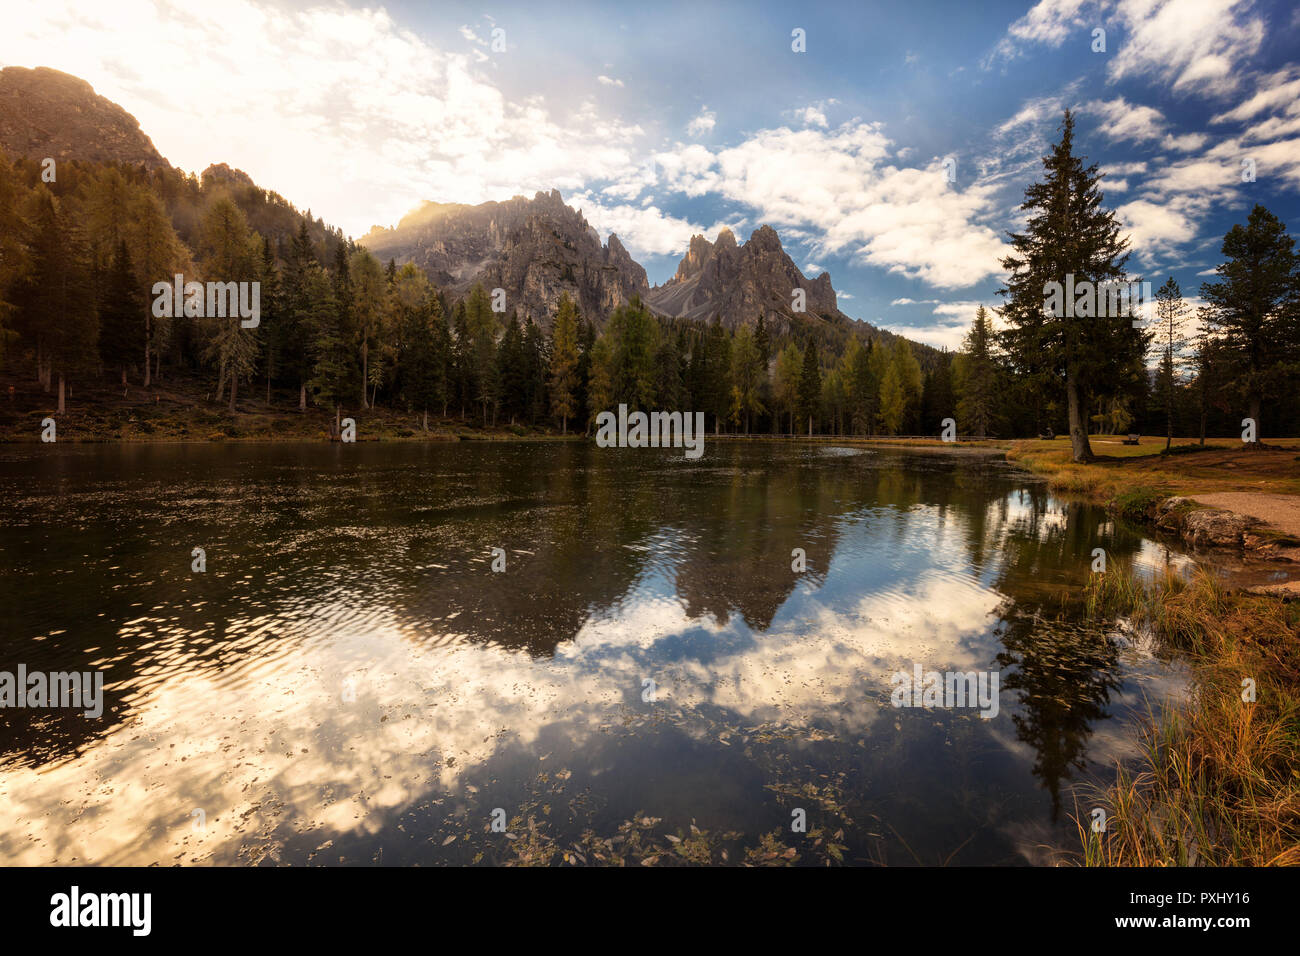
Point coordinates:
[[1222, 465], [1218, 783]]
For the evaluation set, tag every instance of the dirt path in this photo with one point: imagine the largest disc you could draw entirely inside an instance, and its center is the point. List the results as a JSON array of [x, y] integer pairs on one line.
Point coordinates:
[[1281, 511]]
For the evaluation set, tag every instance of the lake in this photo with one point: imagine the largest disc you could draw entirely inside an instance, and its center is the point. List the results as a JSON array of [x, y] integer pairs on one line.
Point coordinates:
[[349, 680]]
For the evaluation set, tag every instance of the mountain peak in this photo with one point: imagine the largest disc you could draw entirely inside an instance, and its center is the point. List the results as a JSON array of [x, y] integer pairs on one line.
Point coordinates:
[[48, 113], [739, 283], [536, 249]]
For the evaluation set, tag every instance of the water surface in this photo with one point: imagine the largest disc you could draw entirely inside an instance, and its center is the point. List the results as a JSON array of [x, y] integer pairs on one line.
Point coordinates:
[[350, 681]]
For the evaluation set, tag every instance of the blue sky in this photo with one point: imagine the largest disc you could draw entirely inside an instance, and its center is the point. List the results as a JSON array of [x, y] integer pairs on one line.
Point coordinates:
[[668, 119]]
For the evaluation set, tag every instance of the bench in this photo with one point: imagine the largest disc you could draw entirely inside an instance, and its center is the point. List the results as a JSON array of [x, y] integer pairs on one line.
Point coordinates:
[[1132, 439]]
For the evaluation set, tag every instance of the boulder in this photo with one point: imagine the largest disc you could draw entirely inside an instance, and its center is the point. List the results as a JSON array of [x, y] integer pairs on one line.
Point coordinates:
[[1215, 529]]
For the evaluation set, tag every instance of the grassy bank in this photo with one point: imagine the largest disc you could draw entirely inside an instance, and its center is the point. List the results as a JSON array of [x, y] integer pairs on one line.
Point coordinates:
[[1128, 470], [1218, 782]]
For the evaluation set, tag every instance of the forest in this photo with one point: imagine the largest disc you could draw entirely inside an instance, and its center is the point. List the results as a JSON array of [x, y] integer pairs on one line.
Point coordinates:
[[342, 331]]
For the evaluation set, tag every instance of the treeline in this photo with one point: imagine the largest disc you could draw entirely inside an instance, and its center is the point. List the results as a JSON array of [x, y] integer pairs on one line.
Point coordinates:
[[340, 330], [1091, 368]]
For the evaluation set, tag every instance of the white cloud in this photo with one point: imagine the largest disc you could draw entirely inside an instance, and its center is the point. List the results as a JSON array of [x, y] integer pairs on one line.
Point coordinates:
[[609, 80], [1124, 169], [1048, 22], [1188, 142], [812, 116], [1280, 89], [953, 321], [839, 185], [1155, 227], [645, 230], [703, 123], [1120, 120], [300, 110], [1194, 45]]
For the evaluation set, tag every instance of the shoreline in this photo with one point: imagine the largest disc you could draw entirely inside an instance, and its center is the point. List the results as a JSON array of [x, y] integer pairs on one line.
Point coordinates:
[[1161, 492], [1214, 781]]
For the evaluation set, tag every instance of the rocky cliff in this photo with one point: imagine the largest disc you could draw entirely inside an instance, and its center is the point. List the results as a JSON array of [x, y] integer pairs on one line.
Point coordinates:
[[738, 283], [536, 249]]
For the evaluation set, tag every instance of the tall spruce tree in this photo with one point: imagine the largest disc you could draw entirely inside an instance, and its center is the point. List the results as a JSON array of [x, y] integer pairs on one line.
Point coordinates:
[[975, 377], [1068, 237], [810, 387], [1171, 318], [564, 363], [1252, 306], [121, 318]]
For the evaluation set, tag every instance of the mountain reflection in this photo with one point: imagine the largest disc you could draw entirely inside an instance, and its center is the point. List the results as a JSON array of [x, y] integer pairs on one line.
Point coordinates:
[[350, 680]]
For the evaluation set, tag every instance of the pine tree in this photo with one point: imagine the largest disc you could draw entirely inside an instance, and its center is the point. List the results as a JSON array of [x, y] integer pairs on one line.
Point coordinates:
[[269, 278], [1067, 234], [296, 329], [564, 363], [717, 373], [976, 375], [600, 386], [422, 350], [810, 386], [482, 328], [462, 360], [58, 307], [334, 372], [633, 336], [369, 287], [900, 388], [747, 374], [230, 254], [1252, 307], [937, 401], [535, 364], [158, 255], [862, 386], [14, 258], [512, 371], [789, 363], [586, 343], [1171, 317], [121, 318]]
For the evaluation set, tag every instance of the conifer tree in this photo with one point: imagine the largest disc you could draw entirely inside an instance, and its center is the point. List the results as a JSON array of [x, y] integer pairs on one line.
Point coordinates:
[[810, 386], [1252, 306], [564, 363], [1068, 237]]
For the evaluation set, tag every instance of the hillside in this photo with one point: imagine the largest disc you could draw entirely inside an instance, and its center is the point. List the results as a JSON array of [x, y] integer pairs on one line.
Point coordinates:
[[47, 113]]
